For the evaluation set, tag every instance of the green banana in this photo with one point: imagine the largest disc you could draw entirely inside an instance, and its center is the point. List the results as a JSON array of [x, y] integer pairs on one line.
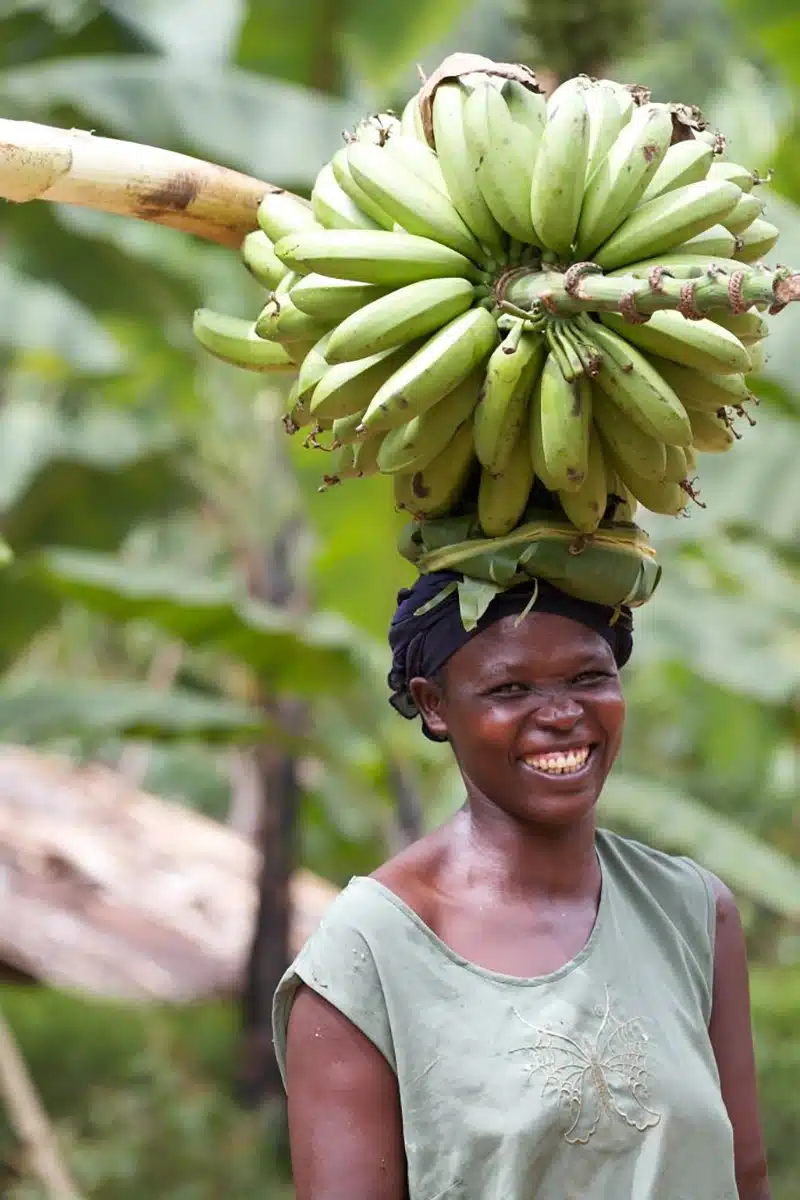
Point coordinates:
[[758, 357], [441, 364], [535, 445], [281, 320], [295, 412], [330, 299], [732, 173], [684, 162], [667, 221], [449, 116], [746, 211], [676, 468], [418, 157], [415, 204], [586, 506], [500, 417], [344, 429], [621, 179], [411, 119], [748, 326], [560, 170], [435, 490], [710, 432], [717, 239], [332, 206], [349, 387], [360, 198], [700, 344], [625, 94], [373, 256], [625, 441], [503, 497], [756, 241], [637, 389], [528, 109], [261, 261], [501, 156], [565, 412], [280, 213], [656, 495], [340, 465], [313, 366], [365, 455], [234, 341], [406, 313], [625, 503], [703, 391], [606, 119], [412, 446]]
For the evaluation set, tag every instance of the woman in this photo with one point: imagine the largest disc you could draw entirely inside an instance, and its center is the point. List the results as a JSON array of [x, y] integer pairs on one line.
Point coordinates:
[[521, 1005]]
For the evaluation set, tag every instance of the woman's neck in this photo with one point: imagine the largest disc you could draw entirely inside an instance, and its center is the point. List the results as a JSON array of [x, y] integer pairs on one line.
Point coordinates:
[[493, 849]]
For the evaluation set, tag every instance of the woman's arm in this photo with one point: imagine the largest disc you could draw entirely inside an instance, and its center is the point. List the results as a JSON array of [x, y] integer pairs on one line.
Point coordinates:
[[732, 1040], [345, 1127]]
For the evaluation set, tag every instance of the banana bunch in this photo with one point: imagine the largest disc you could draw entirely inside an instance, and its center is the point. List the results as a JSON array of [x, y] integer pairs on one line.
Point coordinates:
[[496, 293]]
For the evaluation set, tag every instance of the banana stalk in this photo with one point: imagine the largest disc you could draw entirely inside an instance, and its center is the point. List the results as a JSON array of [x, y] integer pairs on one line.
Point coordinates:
[[529, 293], [72, 166]]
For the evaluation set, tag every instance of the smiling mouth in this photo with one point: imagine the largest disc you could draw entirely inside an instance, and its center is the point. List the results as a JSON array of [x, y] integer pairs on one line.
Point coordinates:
[[560, 762]]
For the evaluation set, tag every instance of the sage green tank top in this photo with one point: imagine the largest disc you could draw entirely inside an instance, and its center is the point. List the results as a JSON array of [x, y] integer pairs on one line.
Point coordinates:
[[595, 1082]]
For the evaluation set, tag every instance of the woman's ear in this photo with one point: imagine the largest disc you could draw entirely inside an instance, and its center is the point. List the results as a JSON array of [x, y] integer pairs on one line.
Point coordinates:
[[429, 699]]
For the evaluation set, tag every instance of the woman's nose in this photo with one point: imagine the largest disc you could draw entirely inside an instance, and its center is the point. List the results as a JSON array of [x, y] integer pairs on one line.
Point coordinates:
[[558, 712]]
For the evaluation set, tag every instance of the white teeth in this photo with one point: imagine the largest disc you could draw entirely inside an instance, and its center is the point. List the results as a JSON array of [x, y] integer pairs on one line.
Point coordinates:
[[560, 764]]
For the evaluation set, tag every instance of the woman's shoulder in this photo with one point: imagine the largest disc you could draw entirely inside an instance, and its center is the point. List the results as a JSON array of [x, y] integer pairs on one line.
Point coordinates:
[[638, 857]]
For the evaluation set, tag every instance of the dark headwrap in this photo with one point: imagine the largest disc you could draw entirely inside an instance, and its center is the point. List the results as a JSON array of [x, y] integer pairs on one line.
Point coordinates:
[[422, 642]]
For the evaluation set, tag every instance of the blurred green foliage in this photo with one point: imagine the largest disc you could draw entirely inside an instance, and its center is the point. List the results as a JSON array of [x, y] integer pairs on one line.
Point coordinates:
[[142, 484]]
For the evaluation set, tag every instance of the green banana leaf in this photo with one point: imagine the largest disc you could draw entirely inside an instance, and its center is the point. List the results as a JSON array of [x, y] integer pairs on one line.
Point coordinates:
[[302, 655], [33, 710], [614, 566], [663, 815]]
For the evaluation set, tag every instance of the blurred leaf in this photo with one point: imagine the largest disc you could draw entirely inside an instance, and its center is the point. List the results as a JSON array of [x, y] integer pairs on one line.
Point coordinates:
[[34, 435], [274, 130], [174, 28], [381, 49], [755, 487], [774, 23], [289, 652], [37, 709], [678, 824], [43, 317], [730, 640], [86, 480]]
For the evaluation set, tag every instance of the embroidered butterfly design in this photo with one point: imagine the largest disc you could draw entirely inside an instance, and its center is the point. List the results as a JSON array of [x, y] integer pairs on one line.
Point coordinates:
[[599, 1078]]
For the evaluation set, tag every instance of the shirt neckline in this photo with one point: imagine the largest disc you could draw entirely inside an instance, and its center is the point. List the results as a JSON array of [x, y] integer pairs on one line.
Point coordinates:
[[501, 977]]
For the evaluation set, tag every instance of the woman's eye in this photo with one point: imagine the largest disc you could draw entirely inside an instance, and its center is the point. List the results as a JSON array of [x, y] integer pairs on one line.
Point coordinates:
[[591, 677], [509, 689]]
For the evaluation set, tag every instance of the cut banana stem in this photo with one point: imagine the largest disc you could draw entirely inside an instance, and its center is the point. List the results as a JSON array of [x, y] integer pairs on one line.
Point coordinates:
[[620, 293]]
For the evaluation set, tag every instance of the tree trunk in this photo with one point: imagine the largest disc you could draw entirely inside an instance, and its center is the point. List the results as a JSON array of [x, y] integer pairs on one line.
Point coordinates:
[[258, 1080]]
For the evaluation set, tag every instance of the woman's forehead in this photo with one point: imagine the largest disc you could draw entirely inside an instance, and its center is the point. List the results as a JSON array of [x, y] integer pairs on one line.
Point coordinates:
[[536, 639]]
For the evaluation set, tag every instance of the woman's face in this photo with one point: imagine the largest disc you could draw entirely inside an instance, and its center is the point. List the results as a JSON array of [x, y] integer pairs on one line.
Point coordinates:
[[534, 713]]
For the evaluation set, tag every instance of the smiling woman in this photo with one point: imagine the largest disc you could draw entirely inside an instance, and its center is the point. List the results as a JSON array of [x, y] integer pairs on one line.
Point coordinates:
[[521, 1003]]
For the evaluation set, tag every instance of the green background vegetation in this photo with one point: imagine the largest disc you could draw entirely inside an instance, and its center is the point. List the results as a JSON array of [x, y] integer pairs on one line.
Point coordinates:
[[138, 480]]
